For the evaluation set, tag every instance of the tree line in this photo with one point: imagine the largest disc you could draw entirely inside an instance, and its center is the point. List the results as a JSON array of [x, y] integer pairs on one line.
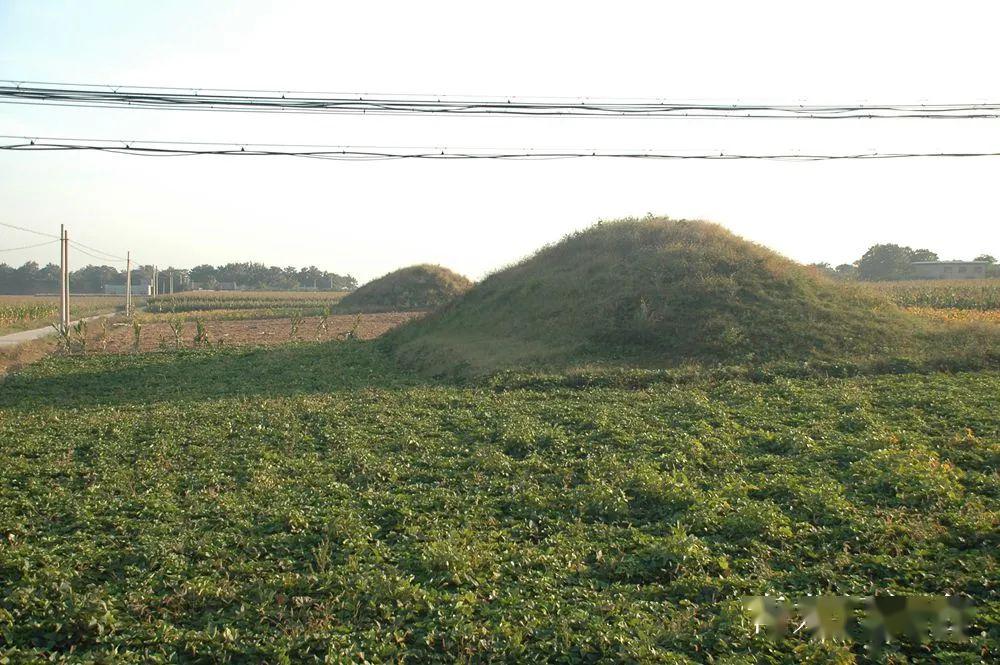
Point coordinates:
[[892, 262], [32, 278]]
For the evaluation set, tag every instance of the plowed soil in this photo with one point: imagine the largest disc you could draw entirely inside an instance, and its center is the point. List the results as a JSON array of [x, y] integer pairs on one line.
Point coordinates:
[[157, 335]]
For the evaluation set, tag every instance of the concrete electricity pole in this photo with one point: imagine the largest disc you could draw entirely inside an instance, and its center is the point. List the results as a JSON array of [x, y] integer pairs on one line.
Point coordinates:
[[128, 284], [65, 288], [63, 280]]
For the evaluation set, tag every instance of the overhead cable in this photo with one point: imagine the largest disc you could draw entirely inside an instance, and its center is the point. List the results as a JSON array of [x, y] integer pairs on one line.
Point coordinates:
[[94, 256], [40, 244], [349, 153], [149, 97], [21, 228], [79, 245]]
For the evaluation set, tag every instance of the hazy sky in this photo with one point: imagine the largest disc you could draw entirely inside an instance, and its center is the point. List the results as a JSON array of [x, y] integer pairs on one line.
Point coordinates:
[[369, 218]]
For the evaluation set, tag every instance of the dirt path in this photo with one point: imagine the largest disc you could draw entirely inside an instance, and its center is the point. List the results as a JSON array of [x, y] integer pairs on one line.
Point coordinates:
[[14, 339]]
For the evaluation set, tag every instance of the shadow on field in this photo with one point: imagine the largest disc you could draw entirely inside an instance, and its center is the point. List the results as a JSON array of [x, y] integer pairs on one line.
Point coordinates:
[[120, 379]]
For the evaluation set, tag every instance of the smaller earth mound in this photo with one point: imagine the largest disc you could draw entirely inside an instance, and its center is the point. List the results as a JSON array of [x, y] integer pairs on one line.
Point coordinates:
[[417, 287]]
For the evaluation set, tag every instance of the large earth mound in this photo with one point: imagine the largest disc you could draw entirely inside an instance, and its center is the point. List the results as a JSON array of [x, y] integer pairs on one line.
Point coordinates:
[[416, 287], [651, 292]]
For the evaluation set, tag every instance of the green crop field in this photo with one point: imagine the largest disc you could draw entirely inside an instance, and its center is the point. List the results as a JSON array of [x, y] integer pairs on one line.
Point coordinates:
[[307, 303], [315, 501], [975, 294], [27, 312], [242, 305]]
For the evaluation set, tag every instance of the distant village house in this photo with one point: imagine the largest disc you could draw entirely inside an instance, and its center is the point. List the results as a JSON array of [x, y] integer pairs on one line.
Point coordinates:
[[950, 269], [140, 287]]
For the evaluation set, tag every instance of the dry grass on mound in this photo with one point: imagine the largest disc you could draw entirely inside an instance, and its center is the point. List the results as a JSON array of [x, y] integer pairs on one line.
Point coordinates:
[[419, 287], [653, 292]]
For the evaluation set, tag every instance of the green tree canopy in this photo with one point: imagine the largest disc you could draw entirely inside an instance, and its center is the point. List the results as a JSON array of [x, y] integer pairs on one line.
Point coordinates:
[[890, 261]]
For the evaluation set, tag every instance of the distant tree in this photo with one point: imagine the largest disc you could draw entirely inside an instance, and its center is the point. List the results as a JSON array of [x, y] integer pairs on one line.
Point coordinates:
[[823, 268], [846, 271], [30, 278], [28, 272], [250, 275], [34, 279], [92, 279], [49, 276], [8, 279], [203, 274], [885, 262], [988, 258]]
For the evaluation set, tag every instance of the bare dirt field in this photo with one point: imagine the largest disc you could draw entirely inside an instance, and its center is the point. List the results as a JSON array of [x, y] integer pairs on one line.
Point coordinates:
[[158, 334]]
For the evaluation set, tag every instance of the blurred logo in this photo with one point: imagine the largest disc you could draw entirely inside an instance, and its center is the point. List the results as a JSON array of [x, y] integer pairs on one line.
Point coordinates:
[[876, 620]]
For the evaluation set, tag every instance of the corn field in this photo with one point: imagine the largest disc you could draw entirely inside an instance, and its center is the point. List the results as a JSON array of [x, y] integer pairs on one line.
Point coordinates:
[[19, 313], [26, 312], [980, 294], [955, 314], [280, 303]]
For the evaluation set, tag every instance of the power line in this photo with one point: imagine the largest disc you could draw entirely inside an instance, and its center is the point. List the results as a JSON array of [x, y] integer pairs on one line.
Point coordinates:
[[21, 228], [148, 97], [41, 244], [79, 245], [349, 153], [76, 246], [75, 243]]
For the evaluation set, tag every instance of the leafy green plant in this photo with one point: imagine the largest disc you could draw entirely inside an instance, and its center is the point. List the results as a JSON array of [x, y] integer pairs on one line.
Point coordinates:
[[322, 325], [353, 332], [200, 333], [104, 336], [79, 336], [65, 341], [136, 334], [176, 328], [294, 322]]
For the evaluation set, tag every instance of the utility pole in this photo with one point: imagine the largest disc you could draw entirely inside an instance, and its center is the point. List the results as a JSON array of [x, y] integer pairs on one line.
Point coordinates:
[[156, 277], [128, 284], [63, 268], [65, 288], [171, 282]]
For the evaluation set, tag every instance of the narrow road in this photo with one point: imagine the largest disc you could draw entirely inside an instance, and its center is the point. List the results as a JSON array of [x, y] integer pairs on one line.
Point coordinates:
[[13, 339]]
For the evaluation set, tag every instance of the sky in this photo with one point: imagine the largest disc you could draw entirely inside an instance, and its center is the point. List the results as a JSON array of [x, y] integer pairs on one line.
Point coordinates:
[[367, 219]]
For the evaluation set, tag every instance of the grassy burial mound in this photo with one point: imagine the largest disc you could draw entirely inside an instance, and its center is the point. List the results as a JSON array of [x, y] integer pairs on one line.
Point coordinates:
[[653, 292], [422, 286]]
